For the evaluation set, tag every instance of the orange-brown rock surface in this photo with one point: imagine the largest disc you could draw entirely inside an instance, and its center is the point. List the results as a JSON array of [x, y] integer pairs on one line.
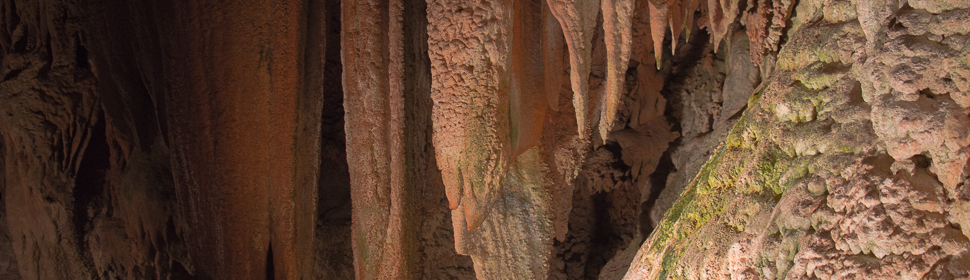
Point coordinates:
[[488, 139], [233, 124], [578, 18]]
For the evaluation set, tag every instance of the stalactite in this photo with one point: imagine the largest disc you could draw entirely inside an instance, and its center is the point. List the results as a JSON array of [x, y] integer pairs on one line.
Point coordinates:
[[756, 23], [658, 29], [528, 98], [675, 15], [292, 203], [469, 46], [578, 18], [689, 7], [617, 24], [721, 14], [478, 103]]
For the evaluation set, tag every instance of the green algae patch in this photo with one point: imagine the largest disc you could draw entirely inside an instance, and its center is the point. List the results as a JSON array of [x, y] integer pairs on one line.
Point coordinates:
[[770, 171], [702, 200], [751, 165], [821, 75]]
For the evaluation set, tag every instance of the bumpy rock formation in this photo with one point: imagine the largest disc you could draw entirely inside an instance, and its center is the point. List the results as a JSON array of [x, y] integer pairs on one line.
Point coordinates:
[[489, 139], [848, 162]]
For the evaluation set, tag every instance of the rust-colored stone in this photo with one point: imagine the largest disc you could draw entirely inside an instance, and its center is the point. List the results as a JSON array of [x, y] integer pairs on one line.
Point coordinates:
[[233, 120]]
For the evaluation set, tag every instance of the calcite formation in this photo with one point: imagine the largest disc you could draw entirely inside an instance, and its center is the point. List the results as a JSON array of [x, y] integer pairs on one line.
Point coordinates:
[[488, 139], [374, 134], [578, 19], [848, 162], [618, 36]]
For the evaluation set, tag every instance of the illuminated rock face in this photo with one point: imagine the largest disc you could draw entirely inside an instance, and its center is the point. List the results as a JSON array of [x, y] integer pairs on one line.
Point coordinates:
[[490, 139], [849, 160]]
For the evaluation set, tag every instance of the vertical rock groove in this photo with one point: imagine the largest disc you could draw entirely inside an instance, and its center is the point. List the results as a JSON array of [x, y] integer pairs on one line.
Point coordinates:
[[292, 181], [333, 252], [528, 100]]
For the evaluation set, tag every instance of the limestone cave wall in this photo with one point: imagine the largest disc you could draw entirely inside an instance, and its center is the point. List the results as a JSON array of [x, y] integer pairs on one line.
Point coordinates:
[[485, 139]]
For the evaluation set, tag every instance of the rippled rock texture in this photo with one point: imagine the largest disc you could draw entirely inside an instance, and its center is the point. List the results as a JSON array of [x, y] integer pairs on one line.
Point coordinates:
[[489, 139]]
